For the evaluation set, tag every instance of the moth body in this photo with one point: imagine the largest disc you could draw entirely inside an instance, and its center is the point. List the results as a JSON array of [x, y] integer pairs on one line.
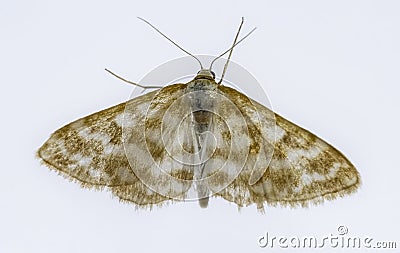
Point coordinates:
[[201, 92]]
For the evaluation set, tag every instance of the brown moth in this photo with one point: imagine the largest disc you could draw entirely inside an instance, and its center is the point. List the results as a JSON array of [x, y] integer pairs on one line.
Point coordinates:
[[196, 140]]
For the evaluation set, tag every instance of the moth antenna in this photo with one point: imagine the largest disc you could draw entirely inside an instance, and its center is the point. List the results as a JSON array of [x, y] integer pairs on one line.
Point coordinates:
[[170, 40], [136, 84], [230, 50]]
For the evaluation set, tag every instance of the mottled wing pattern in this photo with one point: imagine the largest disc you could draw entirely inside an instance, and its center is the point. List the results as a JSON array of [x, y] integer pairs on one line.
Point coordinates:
[[303, 168], [161, 152], [237, 130], [91, 150], [146, 151]]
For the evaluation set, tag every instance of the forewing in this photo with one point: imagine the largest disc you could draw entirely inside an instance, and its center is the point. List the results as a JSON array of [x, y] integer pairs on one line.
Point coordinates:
[[237, 137], [303, 168], [94, 151], [161, 153], [91, 150]]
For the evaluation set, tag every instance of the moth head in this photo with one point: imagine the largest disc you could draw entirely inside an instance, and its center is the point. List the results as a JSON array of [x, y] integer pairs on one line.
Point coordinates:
[[205, 73]]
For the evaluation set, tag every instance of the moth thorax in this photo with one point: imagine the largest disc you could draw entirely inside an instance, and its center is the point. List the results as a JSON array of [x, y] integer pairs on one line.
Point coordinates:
[[201, 94], [202, 107]]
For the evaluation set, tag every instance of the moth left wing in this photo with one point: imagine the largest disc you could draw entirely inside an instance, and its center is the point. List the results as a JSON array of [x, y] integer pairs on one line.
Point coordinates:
[[160, 152], [109, 149], [90, 150]]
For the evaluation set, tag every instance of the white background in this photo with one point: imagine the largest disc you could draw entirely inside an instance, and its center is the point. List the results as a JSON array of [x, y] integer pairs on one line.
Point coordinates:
[[329, 66]]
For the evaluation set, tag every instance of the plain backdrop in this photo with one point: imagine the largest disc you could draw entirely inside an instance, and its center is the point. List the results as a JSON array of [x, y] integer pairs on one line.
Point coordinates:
[[329, 66]]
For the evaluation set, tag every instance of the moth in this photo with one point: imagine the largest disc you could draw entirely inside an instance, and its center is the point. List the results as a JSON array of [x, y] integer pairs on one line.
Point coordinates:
[[196, 140]]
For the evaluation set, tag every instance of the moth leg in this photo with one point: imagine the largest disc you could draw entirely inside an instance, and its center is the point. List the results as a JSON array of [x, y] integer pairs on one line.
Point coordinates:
[[130, 82]]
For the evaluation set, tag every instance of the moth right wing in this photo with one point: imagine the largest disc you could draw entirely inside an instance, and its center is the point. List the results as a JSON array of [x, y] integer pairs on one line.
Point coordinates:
[[300, 169]]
